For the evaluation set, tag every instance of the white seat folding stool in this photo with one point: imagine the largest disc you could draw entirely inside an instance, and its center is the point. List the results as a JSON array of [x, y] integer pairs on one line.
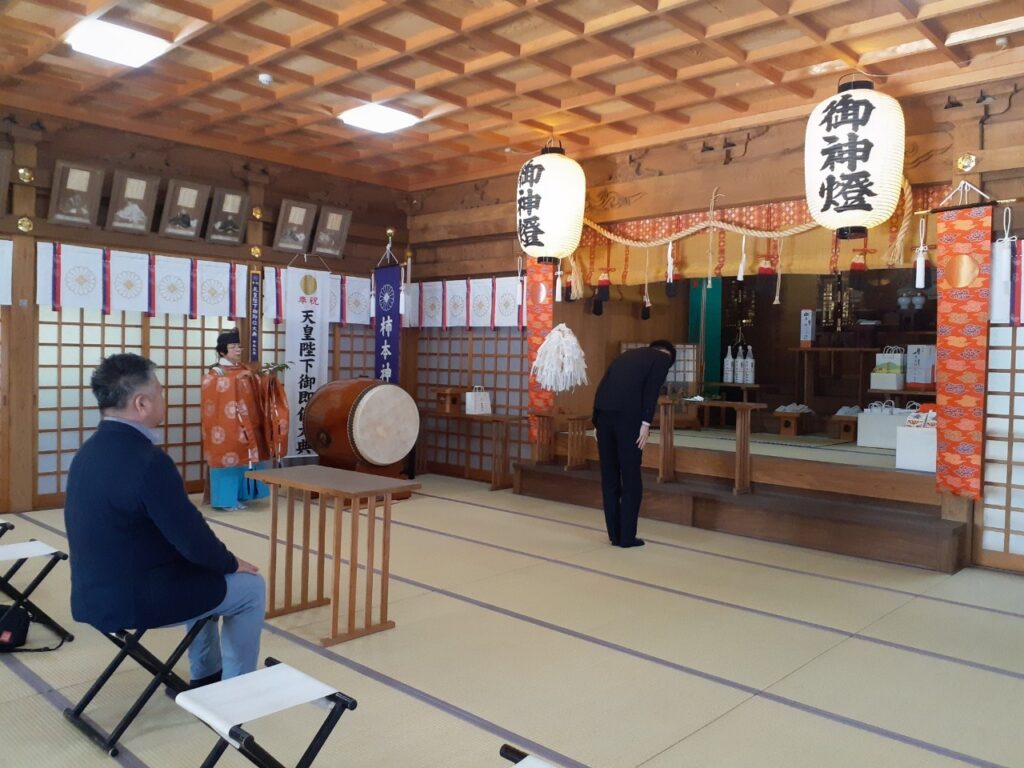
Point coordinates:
[[21, 553], [226, 706], [522, 759]]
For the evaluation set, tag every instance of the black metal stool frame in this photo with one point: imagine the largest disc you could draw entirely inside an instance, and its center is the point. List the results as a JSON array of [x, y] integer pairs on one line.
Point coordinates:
[[162, 671], [21, 598], [258, 756]]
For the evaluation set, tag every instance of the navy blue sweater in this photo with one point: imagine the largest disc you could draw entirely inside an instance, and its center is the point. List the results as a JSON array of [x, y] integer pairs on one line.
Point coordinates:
[[142, 555]]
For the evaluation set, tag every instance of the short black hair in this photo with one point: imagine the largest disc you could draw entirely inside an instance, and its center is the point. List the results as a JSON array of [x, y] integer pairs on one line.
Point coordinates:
[[228, 337], [667, 345], [118, 377]]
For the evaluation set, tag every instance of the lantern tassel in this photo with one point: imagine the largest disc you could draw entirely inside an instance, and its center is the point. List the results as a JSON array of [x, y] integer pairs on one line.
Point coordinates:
[[576, 279], [603, 287], [743, 260], [558, 283], [560, 364]]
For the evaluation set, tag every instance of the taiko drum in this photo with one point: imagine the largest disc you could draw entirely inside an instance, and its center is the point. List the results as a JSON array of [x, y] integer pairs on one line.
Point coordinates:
[[362, 424]]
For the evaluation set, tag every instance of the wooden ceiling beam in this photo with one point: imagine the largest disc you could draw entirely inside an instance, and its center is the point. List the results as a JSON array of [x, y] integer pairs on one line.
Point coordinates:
[[928, 30]]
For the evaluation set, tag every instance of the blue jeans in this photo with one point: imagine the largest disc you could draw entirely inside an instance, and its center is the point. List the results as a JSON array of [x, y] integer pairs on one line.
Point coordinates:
[[237, 652]]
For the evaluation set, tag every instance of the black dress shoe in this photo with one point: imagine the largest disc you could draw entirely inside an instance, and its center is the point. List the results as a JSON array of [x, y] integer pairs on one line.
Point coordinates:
[[633, 543]]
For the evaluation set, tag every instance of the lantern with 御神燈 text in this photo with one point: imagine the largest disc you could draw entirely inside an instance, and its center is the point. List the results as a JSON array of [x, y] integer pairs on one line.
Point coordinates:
[[550, 196], [853, 159]]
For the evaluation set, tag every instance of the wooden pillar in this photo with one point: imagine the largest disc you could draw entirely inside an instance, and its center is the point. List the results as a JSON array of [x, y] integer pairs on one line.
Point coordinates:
[[961, 510], [21, 330]]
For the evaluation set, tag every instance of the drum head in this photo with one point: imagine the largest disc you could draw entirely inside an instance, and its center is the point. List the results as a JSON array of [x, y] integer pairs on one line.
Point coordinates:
[[385, 424]]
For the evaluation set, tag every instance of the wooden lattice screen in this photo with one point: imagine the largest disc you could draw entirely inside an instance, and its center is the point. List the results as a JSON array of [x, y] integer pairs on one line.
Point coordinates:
[[351, 352], [497, 360], [71, 344], [999, 524]]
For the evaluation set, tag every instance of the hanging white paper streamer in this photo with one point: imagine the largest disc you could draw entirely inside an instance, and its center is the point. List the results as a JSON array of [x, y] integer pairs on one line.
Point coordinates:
[[560, 364], [743, 259], [1002, 268]]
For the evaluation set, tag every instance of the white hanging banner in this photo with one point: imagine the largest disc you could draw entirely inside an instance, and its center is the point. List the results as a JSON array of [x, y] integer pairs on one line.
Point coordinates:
[[213, 289], [334, 306], [357, 300], [506, 302], [411, 293], [172, 286], [306, 333], [129, 281], [481, 302], [273, 294], [432, 305], [6, 262], [44, 274], [239, 291], [455, 315], [79, 277]]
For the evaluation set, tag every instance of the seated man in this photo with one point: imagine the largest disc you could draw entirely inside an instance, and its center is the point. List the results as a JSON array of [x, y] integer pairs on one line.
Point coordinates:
[[142, 556]]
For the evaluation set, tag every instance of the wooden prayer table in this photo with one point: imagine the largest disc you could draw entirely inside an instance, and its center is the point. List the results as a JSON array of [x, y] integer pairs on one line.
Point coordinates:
[[743, 411], [353, 490], [745, 389], [501, 474]]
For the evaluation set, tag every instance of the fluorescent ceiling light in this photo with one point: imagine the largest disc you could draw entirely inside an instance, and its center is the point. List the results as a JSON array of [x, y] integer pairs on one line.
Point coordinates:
[[377, 118], [115, 43]]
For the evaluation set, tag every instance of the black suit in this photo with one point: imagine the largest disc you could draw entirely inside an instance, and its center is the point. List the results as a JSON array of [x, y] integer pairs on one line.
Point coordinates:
[[626, 397]]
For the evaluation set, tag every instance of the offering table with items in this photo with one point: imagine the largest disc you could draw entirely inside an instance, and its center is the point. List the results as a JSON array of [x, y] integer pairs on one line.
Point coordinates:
[[344, 489]]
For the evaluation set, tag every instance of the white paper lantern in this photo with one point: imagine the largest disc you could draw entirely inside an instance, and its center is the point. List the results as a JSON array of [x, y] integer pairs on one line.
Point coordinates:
[[550, 195], [853, 159]]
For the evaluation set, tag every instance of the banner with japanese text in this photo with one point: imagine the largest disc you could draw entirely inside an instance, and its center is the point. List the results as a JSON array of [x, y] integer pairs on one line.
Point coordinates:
[[388, 330], [306, 299]]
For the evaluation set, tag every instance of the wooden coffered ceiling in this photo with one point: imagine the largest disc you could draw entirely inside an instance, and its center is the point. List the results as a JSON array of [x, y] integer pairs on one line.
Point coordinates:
[[490, 79]]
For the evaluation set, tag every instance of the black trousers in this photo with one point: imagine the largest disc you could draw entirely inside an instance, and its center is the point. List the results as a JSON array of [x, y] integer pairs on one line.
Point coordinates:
[[621, 481]]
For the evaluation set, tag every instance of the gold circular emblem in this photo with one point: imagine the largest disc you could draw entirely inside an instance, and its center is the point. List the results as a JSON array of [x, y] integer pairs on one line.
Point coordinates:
[[308, 285], [961, 270], [25, 224]]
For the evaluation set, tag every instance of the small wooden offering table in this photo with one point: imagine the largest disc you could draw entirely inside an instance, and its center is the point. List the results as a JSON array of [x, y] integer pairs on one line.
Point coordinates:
[[743, 410], [353, 490]]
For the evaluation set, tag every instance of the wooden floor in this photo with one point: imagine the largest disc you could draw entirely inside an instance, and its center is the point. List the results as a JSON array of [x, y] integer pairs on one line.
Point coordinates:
[[516, 621]]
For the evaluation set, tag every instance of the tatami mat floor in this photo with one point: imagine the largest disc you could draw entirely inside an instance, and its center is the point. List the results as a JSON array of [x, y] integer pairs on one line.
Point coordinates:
[[516, 621]]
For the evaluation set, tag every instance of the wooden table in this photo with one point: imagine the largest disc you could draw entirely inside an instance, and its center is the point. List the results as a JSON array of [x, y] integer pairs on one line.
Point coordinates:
[[501, 473], [346, 489], [745, 389], [743, 411]]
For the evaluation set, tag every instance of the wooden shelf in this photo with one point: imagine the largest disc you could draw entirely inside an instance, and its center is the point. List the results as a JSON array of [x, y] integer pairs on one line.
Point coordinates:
[[733, 386]]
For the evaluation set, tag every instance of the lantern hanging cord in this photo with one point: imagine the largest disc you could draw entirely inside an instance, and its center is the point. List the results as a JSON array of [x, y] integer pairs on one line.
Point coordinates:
[[894, 255]]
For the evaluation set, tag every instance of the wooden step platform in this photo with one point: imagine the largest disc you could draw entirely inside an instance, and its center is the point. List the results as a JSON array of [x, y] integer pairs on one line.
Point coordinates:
[[893, 531]]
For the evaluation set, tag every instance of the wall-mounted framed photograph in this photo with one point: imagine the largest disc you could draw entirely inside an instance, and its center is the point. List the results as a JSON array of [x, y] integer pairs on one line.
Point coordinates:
[[294, 226], [75, 195], [228, 216], [332, 231], [132, 200], [6, 160], [184, 209]]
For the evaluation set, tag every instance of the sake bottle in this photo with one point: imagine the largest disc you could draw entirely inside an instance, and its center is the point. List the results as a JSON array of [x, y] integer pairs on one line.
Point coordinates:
[[728, 367], [748, 368], [739, 365]]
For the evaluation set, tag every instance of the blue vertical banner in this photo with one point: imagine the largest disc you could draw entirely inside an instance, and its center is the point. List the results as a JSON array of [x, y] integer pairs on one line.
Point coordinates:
[[387, 282], [255, 315]]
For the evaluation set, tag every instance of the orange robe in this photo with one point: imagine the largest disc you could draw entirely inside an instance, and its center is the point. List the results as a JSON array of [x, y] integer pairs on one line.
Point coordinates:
[[231, 418]]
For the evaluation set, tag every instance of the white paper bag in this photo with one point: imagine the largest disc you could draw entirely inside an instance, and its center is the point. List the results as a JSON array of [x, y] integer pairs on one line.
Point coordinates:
[[478, 401]]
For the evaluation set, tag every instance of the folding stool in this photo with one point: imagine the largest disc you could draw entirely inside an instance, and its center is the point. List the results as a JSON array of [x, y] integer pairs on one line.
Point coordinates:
[[21, 553], [521, 758], [162, 671], [226, 705]]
